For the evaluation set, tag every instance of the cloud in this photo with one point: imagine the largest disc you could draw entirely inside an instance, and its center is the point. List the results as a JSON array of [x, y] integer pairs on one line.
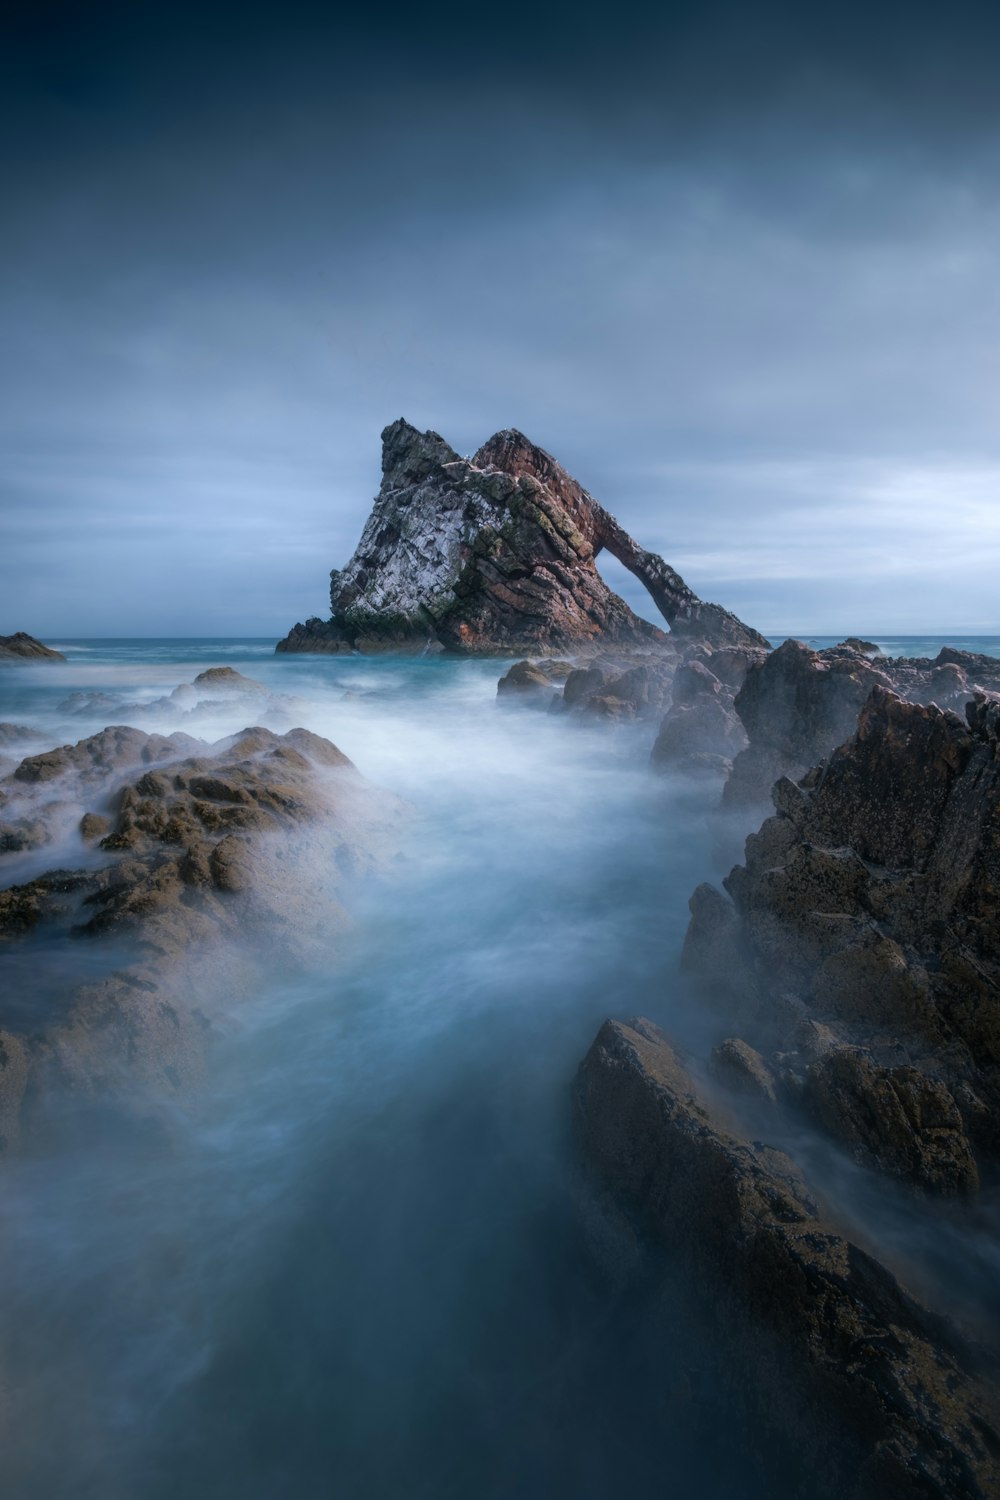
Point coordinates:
[[740, 278]]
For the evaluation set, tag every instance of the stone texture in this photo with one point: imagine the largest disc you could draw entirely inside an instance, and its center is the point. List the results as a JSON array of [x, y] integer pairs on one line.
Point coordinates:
[[797, 704], [741, 1068], [23, 647], [221, 862], [868, 903], [828, 1350], [492, 554]]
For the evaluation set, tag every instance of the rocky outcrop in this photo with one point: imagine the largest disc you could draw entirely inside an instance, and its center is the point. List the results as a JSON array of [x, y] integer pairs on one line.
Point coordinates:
[[797, 704], [496, 553], [209, 866], [828, 1350], [702, 733], [23, 647], [217, 694], [861, 946]]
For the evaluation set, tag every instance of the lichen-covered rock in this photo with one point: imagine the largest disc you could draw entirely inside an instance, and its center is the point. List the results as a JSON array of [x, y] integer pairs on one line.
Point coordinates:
[[828, 1349], [495, 553]]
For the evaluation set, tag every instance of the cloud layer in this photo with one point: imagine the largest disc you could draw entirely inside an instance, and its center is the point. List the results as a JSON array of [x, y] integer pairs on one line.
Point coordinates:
[[740, 278]]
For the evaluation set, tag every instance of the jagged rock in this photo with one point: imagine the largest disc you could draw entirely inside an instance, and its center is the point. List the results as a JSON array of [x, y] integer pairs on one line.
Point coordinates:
[[742, 1069], [495, 553], [828, 1350], [870, 901], [706, 726], [222, 861], [896, 1119], [797, 705], [863, 648], [23, 647], [702, 733]]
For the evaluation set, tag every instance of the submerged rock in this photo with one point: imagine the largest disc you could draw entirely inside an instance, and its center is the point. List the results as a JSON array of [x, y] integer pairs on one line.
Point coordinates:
[[828, 1350], [495, 553], [531, 683]]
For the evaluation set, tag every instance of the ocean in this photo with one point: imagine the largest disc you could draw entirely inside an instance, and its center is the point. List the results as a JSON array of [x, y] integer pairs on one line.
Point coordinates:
[[364, 1262]]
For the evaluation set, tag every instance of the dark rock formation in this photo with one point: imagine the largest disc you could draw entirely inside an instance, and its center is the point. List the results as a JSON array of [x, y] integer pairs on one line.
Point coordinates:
[[23, 647], [868, 904], [796, 704], [535, 684], [495, 553], [828, 1350], [220, 862]]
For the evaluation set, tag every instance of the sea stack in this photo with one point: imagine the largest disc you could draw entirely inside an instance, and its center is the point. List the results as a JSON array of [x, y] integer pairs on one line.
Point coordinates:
[[496, 553]]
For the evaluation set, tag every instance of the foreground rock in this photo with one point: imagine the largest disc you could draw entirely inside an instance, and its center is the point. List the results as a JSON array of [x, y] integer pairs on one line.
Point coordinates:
[[828, 1351], [23, 647], [496, 554], [861, 948], [797, 704], [211, 866]]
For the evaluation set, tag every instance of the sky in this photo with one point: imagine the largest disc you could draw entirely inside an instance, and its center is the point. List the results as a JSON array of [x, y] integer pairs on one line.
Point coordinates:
[[737, 266]]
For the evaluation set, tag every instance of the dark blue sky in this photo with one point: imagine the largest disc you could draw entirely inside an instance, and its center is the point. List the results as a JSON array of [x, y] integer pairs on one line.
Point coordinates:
[[734, 265]]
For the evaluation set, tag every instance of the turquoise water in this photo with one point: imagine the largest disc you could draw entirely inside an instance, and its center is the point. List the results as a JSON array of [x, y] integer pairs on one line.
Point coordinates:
[[363, 1263]]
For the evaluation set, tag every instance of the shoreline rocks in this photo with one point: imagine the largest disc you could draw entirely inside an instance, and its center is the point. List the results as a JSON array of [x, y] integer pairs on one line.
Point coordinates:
[[828, 1350], [796, 705], [208, 867], [866, 906]]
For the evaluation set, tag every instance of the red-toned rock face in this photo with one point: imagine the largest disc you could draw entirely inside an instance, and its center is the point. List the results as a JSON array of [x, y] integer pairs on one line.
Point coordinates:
[[495, 553]]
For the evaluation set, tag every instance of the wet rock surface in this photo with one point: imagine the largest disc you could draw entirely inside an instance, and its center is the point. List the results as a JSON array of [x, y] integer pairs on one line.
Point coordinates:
[[853, 959], [494, 554], [206, 866], [797, 704], [863, 926], [828, 1350]]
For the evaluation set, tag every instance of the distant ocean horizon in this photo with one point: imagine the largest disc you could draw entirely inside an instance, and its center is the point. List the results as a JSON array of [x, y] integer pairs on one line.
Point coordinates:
[[195, 647]]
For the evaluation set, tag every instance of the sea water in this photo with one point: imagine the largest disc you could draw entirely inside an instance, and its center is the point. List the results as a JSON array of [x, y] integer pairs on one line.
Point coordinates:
[[364, 1262]]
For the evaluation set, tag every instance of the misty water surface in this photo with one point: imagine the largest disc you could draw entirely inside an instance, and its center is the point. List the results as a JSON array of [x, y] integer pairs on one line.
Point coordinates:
[[364, 1262]]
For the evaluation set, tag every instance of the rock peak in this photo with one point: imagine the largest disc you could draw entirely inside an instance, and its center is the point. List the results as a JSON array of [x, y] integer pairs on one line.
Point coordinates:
[[496, 553], [409, 454]]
